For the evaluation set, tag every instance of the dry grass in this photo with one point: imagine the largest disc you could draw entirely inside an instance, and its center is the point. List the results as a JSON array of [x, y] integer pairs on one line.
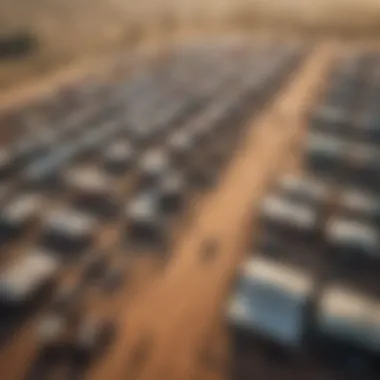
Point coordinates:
[[77, 29]]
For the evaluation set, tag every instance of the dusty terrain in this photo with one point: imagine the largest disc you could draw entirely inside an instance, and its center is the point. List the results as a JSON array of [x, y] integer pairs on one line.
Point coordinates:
[[75, 31]]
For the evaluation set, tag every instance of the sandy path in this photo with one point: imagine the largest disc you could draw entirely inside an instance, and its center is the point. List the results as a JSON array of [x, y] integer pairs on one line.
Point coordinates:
[[180, 311]]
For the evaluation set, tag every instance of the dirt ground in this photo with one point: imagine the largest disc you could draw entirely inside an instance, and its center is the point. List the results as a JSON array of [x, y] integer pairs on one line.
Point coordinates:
[[171, 316], [180, 311]]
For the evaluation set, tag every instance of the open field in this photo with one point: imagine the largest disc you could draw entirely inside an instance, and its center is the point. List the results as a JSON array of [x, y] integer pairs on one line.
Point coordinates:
[[79, 31]]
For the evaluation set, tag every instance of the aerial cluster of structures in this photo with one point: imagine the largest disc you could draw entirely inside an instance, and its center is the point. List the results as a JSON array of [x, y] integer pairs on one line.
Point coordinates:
[[102, 172], [99, 171], [307, 297]]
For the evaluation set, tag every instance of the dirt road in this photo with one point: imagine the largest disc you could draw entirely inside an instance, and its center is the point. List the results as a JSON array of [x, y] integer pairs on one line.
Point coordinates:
[[173, 326]]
